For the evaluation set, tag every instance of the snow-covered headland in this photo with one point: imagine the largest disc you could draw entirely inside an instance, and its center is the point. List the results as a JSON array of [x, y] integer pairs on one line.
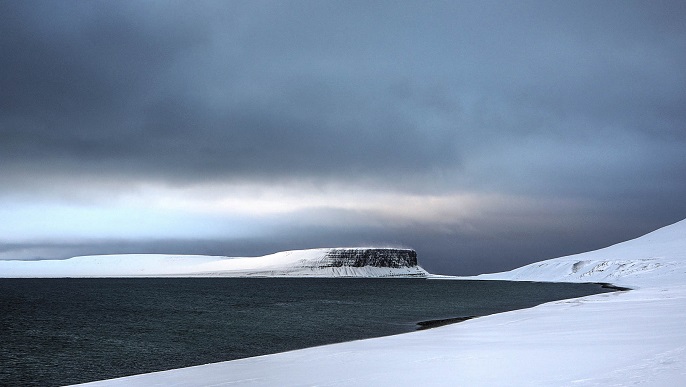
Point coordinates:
[[622, 338], [336, 262]]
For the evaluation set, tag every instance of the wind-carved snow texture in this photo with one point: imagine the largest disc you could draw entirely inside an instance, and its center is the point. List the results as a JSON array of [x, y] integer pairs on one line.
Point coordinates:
[[613, 268], [338, 262], [635, 337]]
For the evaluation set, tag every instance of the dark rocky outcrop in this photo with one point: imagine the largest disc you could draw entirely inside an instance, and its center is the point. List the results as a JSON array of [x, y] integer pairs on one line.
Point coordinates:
[[370, 257]]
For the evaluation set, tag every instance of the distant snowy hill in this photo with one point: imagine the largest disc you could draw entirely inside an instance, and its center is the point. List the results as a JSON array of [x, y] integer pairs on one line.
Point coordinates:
[[338, 262], [657, 257]]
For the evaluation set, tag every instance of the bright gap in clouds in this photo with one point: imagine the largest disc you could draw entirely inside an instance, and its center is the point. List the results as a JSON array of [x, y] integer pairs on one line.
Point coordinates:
[[261, 202], [231, 212], [136, 218]]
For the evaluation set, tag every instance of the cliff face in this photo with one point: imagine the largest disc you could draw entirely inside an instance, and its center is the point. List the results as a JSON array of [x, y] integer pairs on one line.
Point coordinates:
[[395, 258]]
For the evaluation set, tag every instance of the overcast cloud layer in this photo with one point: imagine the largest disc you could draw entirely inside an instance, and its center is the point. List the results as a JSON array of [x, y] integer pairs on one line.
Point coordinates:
[[484, 134]]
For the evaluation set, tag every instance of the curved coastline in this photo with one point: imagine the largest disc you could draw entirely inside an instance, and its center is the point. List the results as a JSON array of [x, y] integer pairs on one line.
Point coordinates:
[[564, 342], [435, 323]]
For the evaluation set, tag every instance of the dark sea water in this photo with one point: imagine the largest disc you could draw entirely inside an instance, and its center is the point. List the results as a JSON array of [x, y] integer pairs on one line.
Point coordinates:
[[64, 331]]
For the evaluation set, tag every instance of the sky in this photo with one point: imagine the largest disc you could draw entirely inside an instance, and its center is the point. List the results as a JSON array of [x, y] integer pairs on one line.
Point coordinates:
[[485, 135]]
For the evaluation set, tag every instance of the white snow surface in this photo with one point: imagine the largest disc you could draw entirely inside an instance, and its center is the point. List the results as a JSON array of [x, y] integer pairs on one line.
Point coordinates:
[[294, 263], [655, 258], [612, 339]]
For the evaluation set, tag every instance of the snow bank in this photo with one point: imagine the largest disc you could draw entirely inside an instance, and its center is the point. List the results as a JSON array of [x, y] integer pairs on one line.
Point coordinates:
[[338, 262], [622, 338]]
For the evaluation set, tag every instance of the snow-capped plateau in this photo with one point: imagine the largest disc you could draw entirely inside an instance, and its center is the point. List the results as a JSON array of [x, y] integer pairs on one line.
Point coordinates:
[[635, 337], [331, 262]]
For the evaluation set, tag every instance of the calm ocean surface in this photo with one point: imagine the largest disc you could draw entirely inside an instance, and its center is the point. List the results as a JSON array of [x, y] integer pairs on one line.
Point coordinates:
[[63, 331]]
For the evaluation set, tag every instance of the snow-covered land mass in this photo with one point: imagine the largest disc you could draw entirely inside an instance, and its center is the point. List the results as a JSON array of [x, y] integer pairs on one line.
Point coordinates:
[[617, 339], [336, 262], [656, 258]]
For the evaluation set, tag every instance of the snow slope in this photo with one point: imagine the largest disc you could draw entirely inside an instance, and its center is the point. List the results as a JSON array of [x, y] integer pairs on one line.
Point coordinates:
[[365, 262], [611, 339], [657, 257]]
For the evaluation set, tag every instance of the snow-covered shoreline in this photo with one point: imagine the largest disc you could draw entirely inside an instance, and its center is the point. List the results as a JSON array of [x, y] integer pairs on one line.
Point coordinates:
[[619, 338]]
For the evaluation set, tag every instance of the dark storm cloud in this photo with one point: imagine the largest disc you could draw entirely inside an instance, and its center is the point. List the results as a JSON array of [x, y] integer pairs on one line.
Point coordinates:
[[181, 91], [111, 88]]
